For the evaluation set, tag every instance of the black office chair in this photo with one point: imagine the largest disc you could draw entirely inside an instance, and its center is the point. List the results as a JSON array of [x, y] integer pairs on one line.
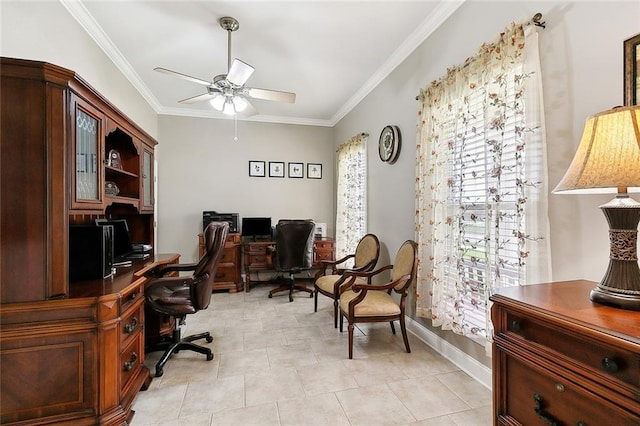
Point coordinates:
[[294, 253], [180, 296]]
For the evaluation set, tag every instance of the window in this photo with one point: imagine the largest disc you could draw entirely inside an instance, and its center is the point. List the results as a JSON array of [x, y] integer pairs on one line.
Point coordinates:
[[481, 192], [351, 202]]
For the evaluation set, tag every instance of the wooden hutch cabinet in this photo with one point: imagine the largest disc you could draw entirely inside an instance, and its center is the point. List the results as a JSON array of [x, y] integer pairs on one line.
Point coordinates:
[[560, 359], [71, 353]]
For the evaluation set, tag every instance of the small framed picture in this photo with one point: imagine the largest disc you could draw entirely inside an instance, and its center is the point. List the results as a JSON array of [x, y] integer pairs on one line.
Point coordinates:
[[256, 169], [296, 170], [276, 169], [314, 171]]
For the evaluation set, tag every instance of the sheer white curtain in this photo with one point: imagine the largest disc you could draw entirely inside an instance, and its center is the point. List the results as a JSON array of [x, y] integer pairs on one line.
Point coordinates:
[[481, 184], [351, 202]]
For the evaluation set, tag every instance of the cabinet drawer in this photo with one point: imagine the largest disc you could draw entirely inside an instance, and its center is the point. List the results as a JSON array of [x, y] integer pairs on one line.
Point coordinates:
[[131, 323], [321, 244], [582, 354], [129, 297], [229, 256], [322, 255], [225, 274], [131, 360], [258, 260], [534, 396]]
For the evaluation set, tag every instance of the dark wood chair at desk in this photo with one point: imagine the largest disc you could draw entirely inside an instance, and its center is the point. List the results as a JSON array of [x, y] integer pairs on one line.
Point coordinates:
[[294, 253], [180, 296]]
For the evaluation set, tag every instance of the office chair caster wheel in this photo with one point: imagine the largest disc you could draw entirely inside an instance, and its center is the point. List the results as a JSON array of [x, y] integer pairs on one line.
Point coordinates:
[[209, 356], [159, 372], [209, 339]]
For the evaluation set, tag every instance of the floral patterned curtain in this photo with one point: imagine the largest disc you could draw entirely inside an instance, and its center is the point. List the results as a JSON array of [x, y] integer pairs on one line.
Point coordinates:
[[481, 186], [351, 203]]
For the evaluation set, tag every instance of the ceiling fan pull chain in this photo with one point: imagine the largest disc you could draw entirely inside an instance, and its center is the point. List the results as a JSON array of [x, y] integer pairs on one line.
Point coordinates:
[[235, 127]]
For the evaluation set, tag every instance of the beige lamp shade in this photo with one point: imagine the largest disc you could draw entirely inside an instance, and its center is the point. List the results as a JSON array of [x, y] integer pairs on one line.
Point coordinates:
[[608, 157]]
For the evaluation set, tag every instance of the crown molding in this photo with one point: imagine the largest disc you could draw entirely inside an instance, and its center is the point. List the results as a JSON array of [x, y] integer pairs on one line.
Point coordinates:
[[440, 14]]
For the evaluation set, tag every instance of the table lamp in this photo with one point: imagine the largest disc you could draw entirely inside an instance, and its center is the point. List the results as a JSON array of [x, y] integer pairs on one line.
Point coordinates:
[[608, 160]]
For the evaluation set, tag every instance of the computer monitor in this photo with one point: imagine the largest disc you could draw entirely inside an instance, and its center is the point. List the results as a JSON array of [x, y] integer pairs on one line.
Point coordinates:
[[122, 246], [256, 227]]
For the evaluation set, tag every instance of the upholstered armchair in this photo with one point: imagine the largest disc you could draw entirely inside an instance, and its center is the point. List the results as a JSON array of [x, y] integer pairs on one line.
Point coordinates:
[[361, 301], [179, 296], [329, 277]]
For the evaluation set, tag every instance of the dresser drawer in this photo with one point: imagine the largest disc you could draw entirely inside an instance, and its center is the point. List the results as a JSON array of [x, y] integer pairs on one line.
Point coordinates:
[[131, 323], [323, 244], [131, 360], [534, 396], [611, 365]]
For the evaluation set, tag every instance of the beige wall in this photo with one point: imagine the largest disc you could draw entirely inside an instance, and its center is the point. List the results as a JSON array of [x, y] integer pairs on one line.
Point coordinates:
[[45, 31], [581, 56], [201, 167]]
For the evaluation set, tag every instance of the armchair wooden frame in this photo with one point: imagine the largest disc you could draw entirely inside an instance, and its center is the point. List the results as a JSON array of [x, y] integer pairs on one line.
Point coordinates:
[[362, 304], [365, 260]]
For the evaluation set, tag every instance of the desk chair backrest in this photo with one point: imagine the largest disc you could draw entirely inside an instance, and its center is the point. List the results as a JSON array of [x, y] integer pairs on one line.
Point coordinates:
[[215, 236], [294, 245]]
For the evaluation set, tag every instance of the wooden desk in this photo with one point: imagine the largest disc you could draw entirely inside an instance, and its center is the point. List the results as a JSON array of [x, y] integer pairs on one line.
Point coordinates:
[[258, 256], [559, 358], [228, 272], [78, 360]]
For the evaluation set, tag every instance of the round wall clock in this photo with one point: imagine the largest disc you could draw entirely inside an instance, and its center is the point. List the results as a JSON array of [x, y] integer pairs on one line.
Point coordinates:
[[389, 144]]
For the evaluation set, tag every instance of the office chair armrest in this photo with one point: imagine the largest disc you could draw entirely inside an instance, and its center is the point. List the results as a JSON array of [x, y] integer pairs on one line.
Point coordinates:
[[162, 270]]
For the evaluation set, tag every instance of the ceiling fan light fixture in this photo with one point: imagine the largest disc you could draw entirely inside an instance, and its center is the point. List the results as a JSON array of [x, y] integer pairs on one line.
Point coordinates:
[[239, 103], [218, 102], [228, 108]]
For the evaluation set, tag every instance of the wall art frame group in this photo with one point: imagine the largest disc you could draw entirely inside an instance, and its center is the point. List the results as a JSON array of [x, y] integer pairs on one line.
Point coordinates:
[[277, 169]]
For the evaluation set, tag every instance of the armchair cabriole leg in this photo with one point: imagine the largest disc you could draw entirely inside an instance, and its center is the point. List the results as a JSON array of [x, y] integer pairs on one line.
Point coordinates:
[[403, 328], [315, 300], [393, 327], [335, 314], [350, 328]]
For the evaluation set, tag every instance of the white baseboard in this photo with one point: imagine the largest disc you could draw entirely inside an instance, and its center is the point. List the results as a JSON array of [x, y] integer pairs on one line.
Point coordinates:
[[468, 364]]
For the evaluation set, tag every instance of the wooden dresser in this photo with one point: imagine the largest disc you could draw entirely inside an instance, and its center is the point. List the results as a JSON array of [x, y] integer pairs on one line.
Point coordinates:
[[559, 359], [257, 256], [228, 274]]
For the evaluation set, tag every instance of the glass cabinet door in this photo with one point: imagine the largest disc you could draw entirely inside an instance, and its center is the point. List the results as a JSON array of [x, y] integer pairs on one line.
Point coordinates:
[[87, 135], [147, 180]]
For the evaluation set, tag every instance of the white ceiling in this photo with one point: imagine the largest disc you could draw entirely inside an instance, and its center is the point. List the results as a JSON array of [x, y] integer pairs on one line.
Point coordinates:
[[330, 53]]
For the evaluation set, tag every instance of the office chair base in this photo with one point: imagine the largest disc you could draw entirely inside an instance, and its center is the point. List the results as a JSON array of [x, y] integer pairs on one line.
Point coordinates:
[[187, 344], [290, 289]]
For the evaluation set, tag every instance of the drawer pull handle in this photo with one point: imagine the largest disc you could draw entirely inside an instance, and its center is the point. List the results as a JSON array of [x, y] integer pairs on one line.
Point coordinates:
[[515, 326], [609, 365], [129, 365], [537, 399], [129, 328], [133, 296]]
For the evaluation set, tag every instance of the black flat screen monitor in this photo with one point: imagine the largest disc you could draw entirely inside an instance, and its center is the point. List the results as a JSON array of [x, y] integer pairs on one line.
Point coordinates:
[[122, 246], [256, 227]]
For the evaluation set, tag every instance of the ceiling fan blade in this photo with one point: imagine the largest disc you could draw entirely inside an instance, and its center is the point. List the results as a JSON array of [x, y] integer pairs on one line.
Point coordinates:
[[183, 76], [199, 98], [271, 95], [239, 72]]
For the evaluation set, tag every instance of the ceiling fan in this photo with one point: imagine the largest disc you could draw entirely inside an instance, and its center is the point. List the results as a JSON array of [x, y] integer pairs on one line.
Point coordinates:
[[227, 92]]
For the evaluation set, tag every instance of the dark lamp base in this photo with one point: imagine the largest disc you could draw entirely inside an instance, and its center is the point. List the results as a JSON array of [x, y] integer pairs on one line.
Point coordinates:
[[620, 286], [617, 300]]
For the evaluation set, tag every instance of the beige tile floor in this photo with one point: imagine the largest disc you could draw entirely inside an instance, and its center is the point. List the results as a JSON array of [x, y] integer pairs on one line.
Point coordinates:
[[279, 363]]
